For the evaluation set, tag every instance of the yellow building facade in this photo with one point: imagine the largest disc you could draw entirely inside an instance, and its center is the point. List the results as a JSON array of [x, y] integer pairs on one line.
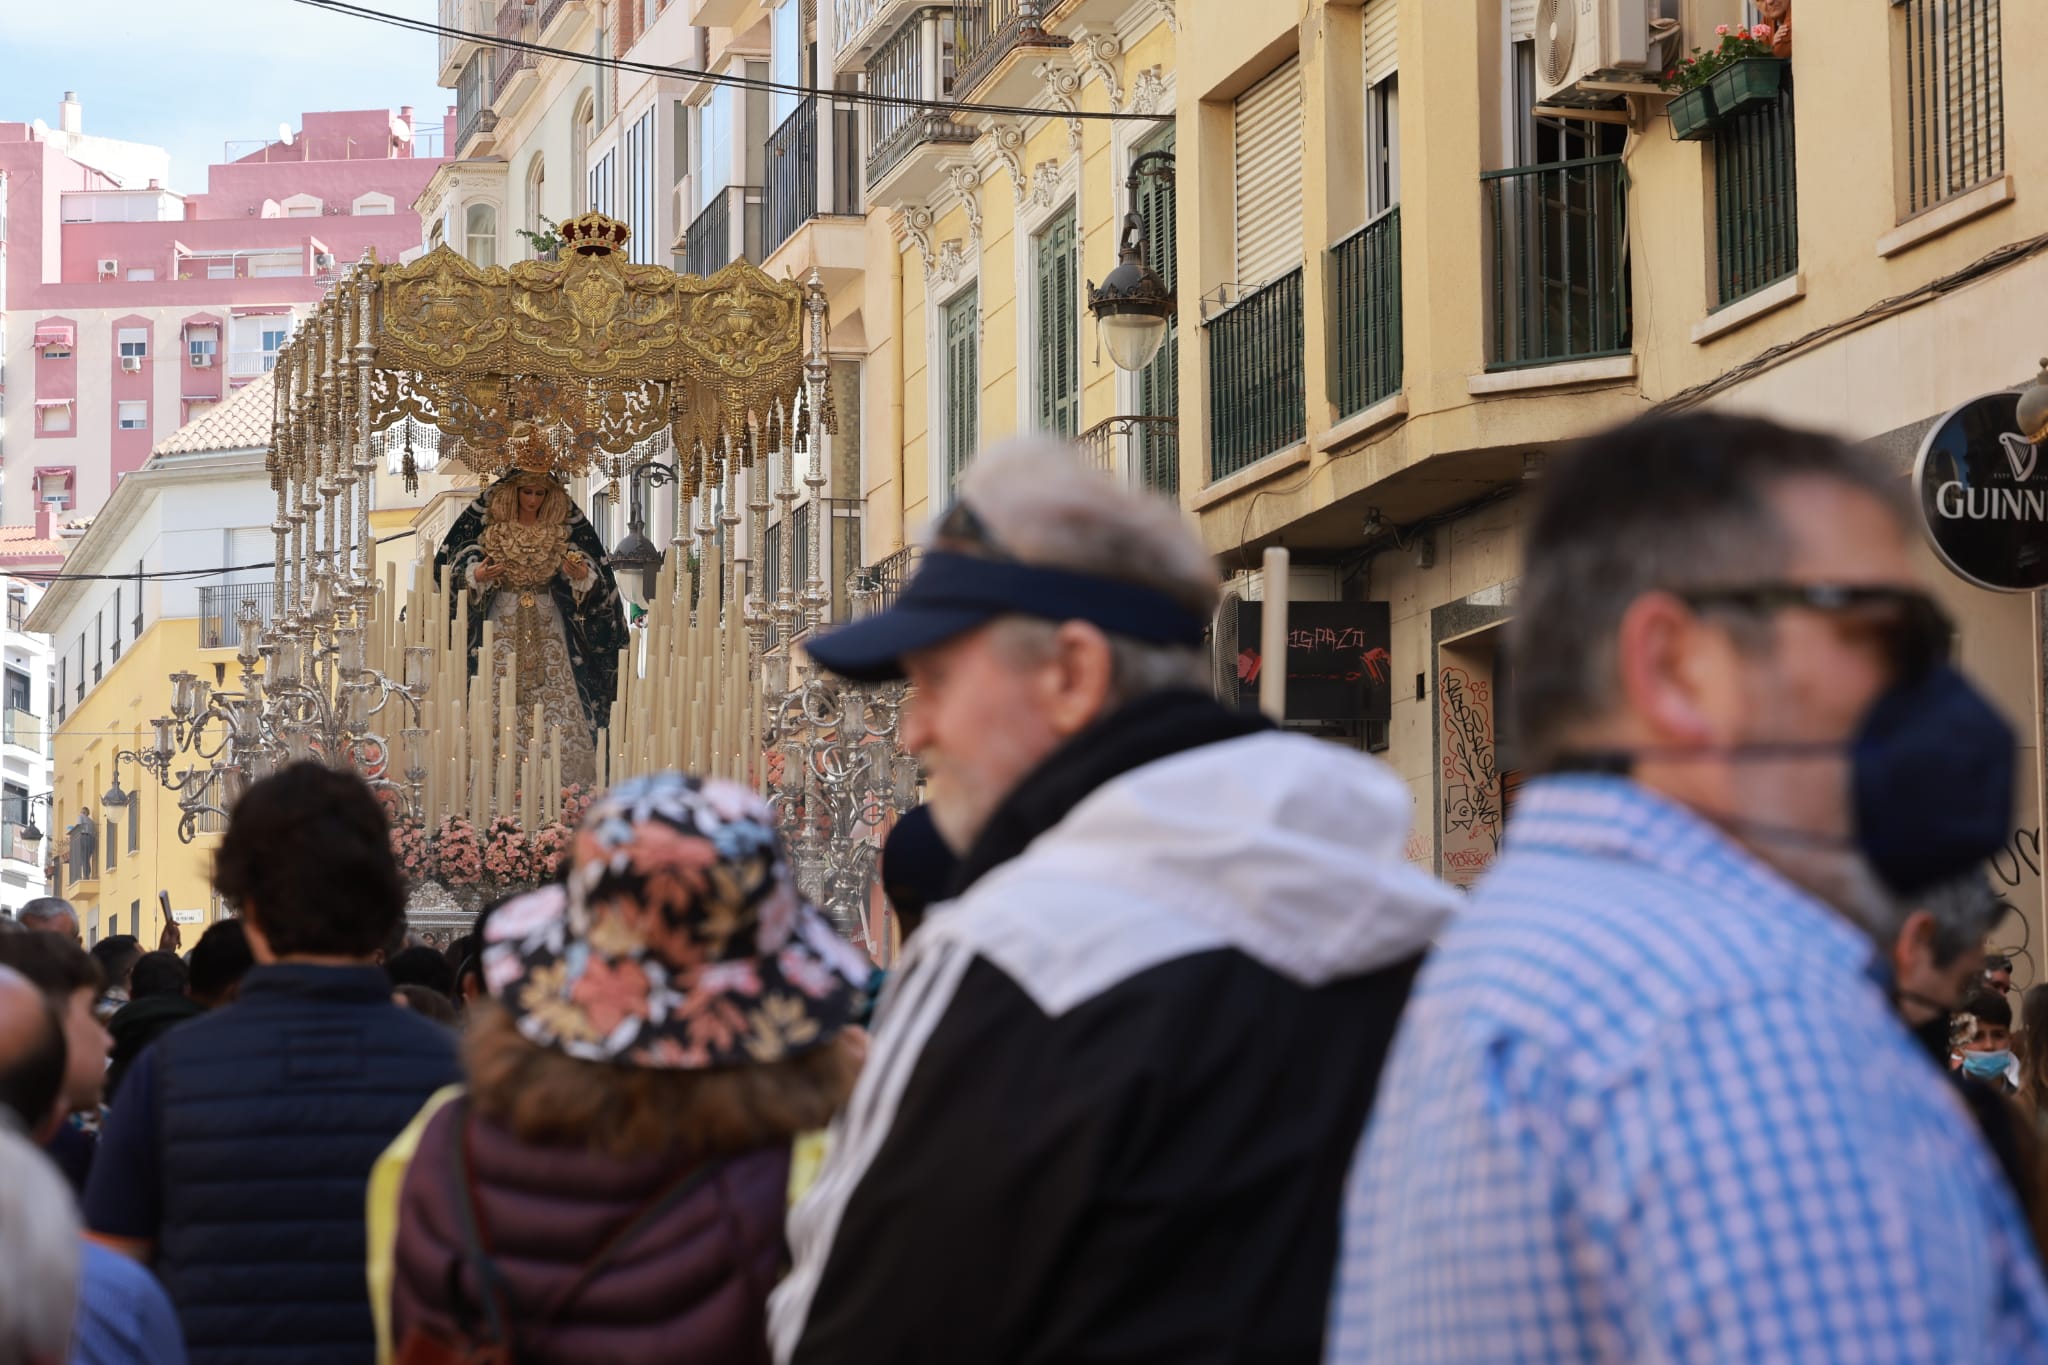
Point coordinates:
[[152, 589], [1410, 265]]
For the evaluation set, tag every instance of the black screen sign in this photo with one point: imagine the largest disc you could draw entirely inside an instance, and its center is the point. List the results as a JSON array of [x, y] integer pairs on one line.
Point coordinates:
[[1339, 660], [1983, 495]]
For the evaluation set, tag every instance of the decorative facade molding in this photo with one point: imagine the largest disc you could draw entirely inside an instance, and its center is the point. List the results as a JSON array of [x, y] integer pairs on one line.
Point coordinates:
[[1096, 54], [965, 181], [1063, 88], [1007, 140], [1166, 9], [1148, 92], [950, 263], [916, 222], [1045, 183]]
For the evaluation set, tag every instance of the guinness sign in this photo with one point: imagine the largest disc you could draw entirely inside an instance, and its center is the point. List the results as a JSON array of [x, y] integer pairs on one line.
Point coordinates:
[[1983, 494]]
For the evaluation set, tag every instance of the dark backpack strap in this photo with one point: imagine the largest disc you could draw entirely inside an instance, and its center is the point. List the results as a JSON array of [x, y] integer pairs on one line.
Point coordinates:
[[474, 1252], [671, 1196]]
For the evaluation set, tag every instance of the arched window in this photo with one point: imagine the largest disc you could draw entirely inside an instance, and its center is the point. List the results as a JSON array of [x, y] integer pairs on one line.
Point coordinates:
[[480, 228], [536, 188], [582, 133]]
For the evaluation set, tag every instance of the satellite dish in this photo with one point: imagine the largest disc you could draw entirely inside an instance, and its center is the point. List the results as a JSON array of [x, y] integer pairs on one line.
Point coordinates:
[[284, 133], [41, 128], [401, 131]]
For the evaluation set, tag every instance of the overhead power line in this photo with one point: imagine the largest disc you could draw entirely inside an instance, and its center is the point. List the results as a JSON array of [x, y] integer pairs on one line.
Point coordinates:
[[46, 577], [848, 97]]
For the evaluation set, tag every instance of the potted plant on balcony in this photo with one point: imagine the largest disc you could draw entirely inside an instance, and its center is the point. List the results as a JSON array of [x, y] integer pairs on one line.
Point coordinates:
[[1712, 86]]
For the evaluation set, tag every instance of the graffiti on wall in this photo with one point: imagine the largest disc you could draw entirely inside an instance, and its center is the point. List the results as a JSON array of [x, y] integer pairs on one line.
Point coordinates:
[[1471, 780], [2016, 877]]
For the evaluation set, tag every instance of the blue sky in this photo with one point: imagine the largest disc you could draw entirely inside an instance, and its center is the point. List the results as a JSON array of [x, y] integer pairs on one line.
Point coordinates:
[[192, 75]]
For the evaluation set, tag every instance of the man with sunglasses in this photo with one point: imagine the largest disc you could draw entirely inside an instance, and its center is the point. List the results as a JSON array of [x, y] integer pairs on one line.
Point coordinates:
[[1117, 1078], [1653, 1098]]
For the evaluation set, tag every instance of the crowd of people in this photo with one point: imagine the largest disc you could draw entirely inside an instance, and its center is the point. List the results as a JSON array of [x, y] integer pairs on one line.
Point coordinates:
[[1181, 1058]]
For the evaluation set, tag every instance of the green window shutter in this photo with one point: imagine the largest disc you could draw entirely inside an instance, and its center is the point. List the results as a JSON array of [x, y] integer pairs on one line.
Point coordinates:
[[1159, 383], [963, 383], [1059, 343]]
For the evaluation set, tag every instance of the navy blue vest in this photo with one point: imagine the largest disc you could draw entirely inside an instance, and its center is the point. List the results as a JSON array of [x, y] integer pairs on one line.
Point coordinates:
[[272, 1113]]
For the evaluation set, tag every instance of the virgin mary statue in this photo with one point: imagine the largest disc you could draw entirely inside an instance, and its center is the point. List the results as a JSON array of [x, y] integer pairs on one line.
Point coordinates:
[[534, 566]]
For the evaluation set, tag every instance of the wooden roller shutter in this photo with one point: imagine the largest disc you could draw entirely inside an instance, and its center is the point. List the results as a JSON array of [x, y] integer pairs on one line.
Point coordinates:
[[1521, 21], [1382, 25], [1268, 142]]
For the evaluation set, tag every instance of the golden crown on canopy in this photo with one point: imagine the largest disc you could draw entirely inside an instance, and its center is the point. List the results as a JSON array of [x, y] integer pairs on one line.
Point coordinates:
[[593, 234], [528, 448]]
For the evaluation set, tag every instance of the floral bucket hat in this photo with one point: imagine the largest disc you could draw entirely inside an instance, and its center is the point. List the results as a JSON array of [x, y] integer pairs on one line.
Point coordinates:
[[679, 940]]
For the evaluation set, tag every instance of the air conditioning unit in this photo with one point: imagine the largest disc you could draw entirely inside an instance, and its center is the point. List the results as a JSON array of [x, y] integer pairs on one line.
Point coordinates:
[[202, 361], [323, 260], [1588, 52], [109, 266], [131, 363]]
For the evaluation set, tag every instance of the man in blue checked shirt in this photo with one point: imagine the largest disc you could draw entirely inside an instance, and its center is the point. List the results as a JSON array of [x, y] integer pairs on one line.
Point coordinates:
[[1652, 1098]]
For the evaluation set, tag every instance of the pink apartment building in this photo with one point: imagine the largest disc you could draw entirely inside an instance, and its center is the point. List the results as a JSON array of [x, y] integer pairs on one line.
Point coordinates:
[[127, 310]]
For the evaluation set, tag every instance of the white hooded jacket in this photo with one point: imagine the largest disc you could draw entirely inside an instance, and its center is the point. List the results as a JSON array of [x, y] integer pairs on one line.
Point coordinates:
[[1216, 940]]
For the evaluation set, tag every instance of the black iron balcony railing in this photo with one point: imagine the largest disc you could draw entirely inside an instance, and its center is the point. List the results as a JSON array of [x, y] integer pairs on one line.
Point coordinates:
[[877, 587], [1953, 96], [921, 128], [839, 544], [990, 29], [711, 242], [515, 21], [1365, 315], [1756, 199], [473, 112], [1559, 239], [219, 603], [1258, 404], [548, 10], [1141, 451], [791, 195]]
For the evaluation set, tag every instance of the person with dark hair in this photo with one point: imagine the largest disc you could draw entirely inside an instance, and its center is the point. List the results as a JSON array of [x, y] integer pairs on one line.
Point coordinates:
[[2033, 1040], [122, 1315], [51, 915], [1653, 1097], [117, 955], [426, 1002], [657, 1035], [917, 868], [1987, 1052], [421, 967], [157, 1002], [293, 1090], [70, 980], [1998, 973], [218, 963]]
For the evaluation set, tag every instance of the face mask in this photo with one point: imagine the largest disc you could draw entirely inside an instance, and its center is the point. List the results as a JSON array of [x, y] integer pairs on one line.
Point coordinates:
[[1931, 773], [1986, 1066]]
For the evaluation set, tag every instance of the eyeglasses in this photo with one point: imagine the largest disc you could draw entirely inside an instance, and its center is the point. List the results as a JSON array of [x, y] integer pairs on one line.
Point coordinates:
[[1918, 634], [965, 526]]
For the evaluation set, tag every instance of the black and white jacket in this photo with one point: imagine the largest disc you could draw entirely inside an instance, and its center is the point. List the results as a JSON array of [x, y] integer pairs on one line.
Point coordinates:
[[1116, 1084]]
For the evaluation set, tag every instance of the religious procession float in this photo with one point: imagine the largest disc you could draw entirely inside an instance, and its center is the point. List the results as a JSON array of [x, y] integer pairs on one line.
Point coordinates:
[[489, 694]]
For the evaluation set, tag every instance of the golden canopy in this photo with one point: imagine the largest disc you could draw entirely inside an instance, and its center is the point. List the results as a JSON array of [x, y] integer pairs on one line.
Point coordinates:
[[564, 363]]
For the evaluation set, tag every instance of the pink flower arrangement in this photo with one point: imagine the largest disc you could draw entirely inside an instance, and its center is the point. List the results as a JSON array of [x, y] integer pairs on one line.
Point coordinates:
[[503, 852], [1737, 44], [409, 847], [458, 853]]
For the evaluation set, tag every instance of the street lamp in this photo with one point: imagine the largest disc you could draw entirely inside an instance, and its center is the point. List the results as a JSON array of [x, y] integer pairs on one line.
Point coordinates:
[[1132, 306], [635, 553], [2033, 409]]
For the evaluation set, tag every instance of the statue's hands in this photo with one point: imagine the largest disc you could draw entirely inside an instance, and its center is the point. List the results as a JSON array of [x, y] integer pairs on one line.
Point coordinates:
[[575, 566], [489, 573]]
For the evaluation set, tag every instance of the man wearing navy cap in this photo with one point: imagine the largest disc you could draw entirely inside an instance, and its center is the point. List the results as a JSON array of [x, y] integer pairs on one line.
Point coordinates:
[[1114, 1084]]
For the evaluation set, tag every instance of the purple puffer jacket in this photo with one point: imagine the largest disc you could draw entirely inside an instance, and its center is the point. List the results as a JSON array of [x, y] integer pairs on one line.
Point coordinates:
[[692, 1286]]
